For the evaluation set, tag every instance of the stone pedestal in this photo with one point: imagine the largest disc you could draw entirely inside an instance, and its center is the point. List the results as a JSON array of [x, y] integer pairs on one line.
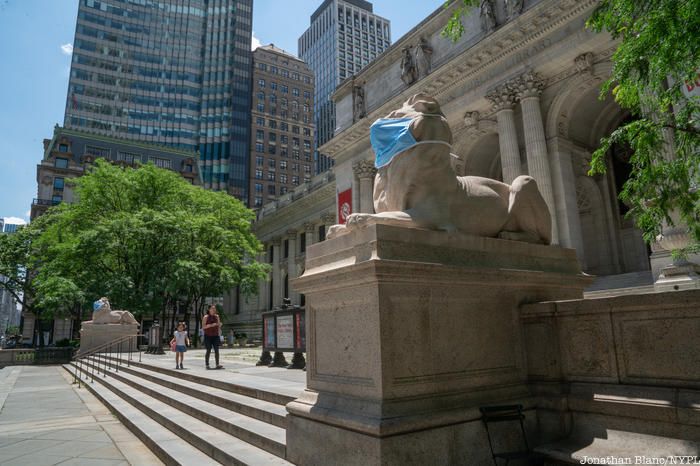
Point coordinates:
[[410, 331], [95, 335]]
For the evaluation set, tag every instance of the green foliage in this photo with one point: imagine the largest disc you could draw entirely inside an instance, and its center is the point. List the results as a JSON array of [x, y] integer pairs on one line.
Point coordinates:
[[12, 330], [145, 238], [658, 52], [454, 29]]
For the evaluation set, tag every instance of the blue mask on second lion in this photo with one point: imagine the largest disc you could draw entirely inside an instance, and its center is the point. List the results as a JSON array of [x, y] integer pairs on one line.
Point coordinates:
[[392, 136]]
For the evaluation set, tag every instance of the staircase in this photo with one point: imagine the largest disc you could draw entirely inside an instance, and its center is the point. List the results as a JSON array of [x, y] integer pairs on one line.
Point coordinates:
[[185, 418]]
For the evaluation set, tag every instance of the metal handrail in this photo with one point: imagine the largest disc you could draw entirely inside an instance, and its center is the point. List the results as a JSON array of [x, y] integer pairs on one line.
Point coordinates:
[[111, 347]]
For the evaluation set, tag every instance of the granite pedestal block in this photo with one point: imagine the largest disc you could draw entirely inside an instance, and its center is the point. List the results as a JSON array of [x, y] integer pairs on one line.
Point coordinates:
[[409, 331], [94, 335]]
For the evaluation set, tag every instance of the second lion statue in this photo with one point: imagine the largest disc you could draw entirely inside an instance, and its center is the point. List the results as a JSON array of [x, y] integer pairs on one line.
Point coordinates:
[[417, 187]]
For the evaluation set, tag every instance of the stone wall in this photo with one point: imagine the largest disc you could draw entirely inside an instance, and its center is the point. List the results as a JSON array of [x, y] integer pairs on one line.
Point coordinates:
[[629, 363]]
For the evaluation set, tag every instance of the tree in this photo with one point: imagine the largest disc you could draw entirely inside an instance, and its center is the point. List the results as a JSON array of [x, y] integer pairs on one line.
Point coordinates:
[[147, 239], [19, 262], [658, 53]]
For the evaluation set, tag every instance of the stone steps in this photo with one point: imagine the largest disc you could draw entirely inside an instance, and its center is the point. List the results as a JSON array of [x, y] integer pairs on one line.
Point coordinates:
[[266, 411], [204, 423], [259, 393]]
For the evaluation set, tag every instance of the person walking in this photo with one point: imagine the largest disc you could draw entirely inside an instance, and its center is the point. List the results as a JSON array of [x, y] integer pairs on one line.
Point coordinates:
[[211, 323], [182, 341]]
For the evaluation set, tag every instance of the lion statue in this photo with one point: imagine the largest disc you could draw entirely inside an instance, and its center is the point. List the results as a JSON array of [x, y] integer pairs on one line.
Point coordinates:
[[416, 186], [103, 314]]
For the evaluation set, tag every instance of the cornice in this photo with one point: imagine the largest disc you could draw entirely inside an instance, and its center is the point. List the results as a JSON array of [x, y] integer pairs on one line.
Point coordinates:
[[295, 212], [508, 40]]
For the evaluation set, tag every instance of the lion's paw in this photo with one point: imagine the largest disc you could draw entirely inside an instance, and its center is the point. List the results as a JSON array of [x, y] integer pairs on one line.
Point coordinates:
[[358, 220], [335, 231]]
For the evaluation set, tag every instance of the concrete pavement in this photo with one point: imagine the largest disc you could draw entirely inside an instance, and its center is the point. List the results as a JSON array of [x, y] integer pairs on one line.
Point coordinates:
[[44, 420]]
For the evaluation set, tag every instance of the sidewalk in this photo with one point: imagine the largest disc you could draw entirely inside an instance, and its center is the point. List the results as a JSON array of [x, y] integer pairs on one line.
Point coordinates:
[[44, 420]]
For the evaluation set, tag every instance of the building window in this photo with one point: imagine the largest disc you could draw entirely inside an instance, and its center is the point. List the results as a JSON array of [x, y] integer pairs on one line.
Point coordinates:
[[60, 162], [161, 163], [63, 147], [259, 161], [302, 243], [271, 176], [272, 137], [128, 157], [259, 147], [258, 203], [271, 149], [271, 189], [272, 124], [261, 82], [260, 121], [283, 190], [58, 183], [295, 92], [97, 151], [258, 174], [259, 135], [286, 248], [283, 178], [56, 198], [258, 188], [261, 107], [283, 164], [284, 89], [295, 180], [271, 163], [322, 233], [273, 86]]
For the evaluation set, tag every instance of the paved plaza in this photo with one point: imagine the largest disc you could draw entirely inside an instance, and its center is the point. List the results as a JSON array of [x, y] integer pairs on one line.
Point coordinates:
[[45, 420]]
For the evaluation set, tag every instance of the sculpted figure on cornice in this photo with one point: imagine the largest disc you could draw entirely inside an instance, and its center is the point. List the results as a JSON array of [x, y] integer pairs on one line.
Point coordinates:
[[424, 58], [584, 62], [416, 186], [358, 102], [487, 13], [514, 8], [409, 74]]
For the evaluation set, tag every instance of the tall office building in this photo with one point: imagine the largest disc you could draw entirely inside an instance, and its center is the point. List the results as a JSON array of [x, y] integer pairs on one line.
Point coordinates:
[[171, 72], [343, 37], [283, 124]]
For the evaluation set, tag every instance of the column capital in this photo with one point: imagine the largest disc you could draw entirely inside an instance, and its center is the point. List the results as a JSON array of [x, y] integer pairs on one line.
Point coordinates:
[[328, 218], [276, 242], [309, 227], [364, 169], [529, 84], [291, 234], [502, 97]]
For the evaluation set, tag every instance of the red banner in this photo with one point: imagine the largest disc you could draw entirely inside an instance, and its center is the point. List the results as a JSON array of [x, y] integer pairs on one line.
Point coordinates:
[[344, 205]]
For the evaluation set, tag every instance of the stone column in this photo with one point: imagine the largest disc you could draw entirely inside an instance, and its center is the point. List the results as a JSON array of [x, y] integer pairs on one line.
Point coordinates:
[[310, 230], [365, 171], [529, 87], [292, 265], [503, 101], [276, 275]]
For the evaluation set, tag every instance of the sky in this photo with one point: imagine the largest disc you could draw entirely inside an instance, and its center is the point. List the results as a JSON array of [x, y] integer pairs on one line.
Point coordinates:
[[36, 38]]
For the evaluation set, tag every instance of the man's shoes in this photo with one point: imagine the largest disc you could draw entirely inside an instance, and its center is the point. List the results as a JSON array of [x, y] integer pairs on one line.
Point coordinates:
[[208, 367], [219, 366], [181, 366]]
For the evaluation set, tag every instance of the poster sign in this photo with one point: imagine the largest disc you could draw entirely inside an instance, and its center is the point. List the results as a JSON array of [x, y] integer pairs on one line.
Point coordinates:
[[269, 332], [344, 205], [285, 331]]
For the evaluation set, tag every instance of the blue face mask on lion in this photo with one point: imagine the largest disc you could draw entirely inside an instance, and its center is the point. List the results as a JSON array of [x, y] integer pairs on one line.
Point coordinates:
[[392, 136]]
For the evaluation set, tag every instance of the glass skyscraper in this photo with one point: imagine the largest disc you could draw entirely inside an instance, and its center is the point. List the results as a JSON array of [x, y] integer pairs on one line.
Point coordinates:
[[171, 72], [343, 37]]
